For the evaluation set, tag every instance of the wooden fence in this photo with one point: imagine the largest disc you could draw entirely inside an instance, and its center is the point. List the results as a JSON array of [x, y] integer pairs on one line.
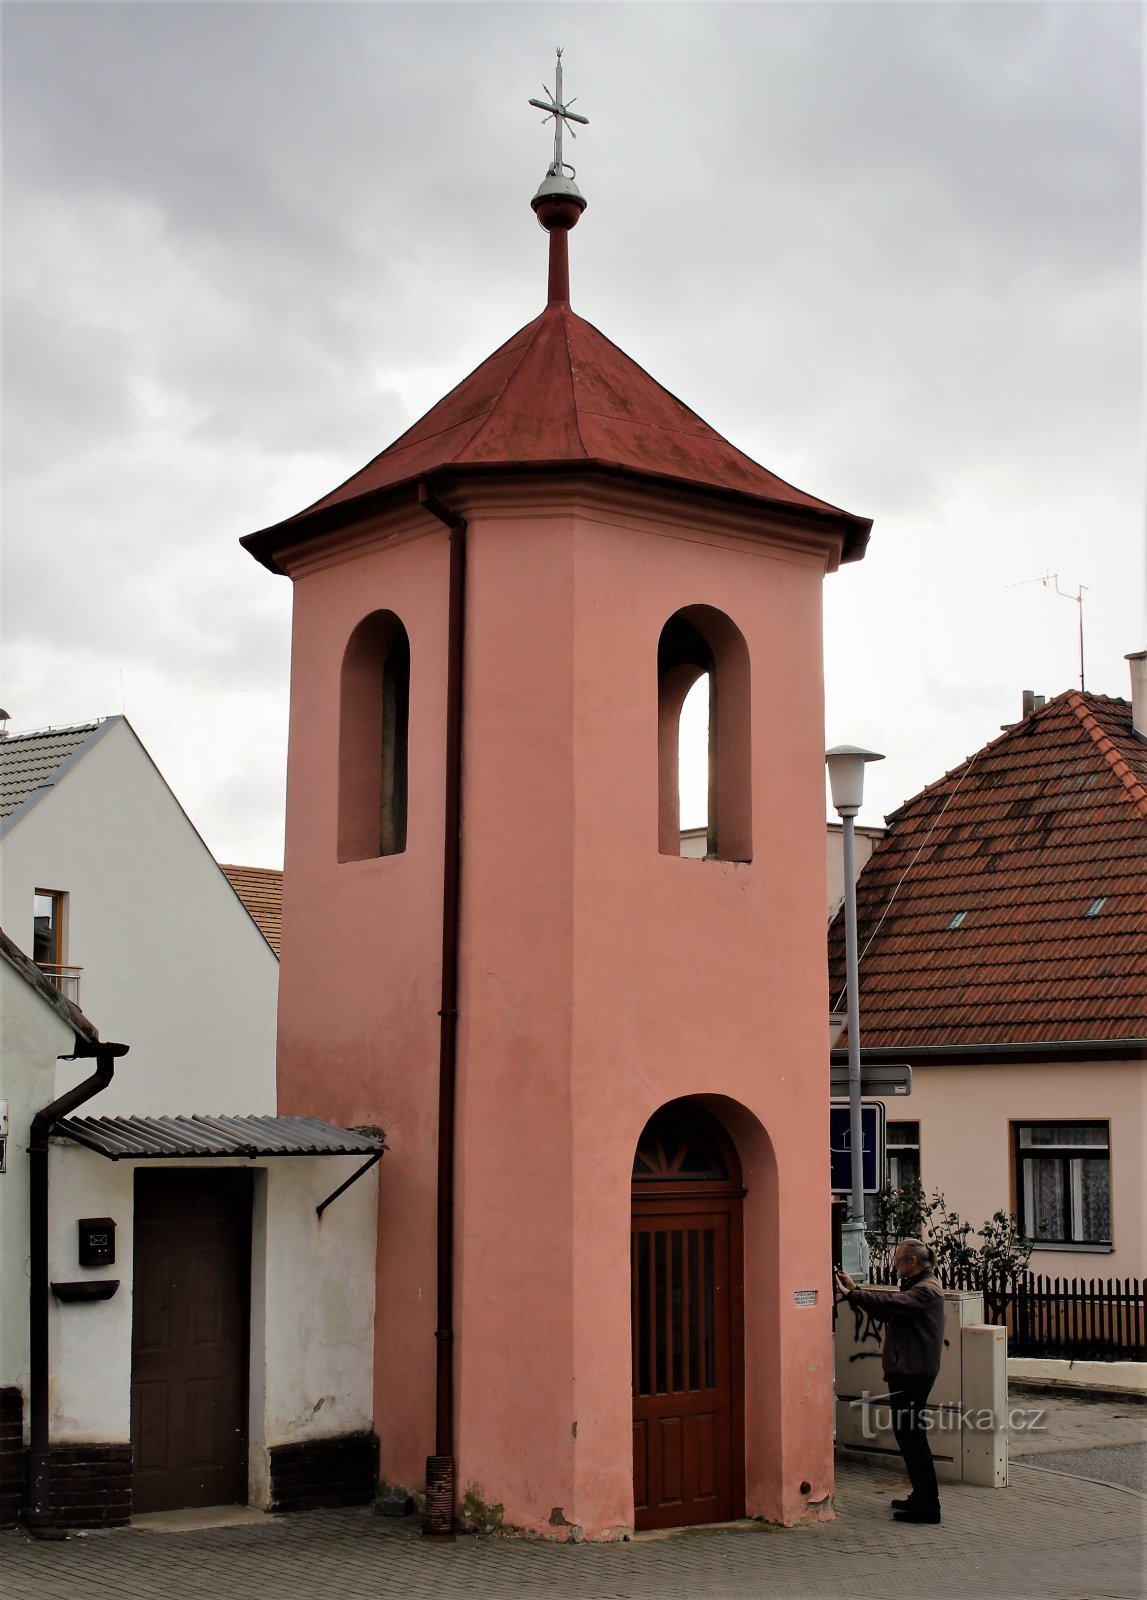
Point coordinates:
[[1075, 1319]]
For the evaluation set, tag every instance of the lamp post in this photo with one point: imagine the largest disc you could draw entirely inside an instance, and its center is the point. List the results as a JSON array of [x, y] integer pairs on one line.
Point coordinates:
[[846, 764]]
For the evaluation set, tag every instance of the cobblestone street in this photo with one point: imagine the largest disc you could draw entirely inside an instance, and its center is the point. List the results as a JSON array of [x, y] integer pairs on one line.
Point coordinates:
[[1048, 1535]]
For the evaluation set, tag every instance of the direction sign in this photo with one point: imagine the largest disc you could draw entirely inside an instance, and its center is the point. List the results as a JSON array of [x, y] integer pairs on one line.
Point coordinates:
[[880, 1082], [840, 1145]]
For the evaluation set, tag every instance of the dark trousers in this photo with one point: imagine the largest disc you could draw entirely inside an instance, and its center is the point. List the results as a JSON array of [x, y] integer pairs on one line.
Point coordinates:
[[908, 1397]]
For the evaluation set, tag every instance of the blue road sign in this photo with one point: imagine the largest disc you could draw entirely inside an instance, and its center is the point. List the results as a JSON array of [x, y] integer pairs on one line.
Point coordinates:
[[840, 1144]]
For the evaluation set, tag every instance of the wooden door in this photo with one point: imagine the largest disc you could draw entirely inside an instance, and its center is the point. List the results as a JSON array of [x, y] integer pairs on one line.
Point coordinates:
[[686, 1278], [190, 1326]]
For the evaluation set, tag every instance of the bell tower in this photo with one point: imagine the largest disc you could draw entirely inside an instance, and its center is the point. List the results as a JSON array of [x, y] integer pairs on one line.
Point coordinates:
[[603, 1290]]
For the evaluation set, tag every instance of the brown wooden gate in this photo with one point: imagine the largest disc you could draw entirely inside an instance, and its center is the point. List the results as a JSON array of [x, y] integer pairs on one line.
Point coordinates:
[[190, 1339], [688, 1443]]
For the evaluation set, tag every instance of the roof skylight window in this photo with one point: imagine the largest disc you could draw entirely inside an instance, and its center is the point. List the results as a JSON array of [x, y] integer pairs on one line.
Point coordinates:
[[957, 921], [1096, 906]]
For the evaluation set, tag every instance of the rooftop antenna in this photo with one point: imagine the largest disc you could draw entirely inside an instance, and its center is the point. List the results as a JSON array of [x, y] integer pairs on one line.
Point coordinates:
[[1064, 594]]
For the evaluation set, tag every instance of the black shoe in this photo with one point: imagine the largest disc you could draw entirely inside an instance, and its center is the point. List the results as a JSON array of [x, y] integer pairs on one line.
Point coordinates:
[[903, 1505], [915, 1514]]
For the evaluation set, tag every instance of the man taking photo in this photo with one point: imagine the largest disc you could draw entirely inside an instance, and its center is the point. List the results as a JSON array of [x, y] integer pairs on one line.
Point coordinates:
[[913, 1342]]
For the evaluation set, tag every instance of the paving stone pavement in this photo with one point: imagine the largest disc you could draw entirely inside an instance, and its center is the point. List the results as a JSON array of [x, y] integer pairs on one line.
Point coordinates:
[[1047, 1537]]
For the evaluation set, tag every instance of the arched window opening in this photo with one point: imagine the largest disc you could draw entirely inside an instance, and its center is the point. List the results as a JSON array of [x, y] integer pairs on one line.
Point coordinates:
[[374, 715], [701, 643]]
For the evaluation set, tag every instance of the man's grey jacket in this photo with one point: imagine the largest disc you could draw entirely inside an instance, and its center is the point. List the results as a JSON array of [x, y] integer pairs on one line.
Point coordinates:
[[914, 1335]]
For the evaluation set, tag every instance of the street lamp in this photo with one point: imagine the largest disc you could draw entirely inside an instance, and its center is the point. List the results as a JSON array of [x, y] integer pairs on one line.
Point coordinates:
[[846, 764]]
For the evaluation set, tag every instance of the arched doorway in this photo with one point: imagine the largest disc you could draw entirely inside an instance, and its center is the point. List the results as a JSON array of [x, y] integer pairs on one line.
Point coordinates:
[[686, 1262]]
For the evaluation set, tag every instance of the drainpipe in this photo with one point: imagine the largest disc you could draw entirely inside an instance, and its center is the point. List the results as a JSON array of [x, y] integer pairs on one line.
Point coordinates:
[[39, 1467], [439, 1523]]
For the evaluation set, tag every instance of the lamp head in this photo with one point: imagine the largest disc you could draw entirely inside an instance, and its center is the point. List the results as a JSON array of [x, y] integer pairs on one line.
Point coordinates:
[[845, 764]]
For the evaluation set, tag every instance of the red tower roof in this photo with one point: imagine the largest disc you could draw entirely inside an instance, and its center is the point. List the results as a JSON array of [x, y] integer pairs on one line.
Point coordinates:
[[560, 395]]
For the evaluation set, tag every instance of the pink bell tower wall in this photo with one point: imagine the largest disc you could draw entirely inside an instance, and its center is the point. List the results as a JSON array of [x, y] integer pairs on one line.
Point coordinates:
[[359, 973], [599, 978]]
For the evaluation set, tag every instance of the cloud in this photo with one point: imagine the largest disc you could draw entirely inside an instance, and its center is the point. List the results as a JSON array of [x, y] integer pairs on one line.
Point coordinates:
[[891, 251]]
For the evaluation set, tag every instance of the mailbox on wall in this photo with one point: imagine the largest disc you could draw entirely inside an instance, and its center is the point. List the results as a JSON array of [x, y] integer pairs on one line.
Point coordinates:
[[97, 1241]]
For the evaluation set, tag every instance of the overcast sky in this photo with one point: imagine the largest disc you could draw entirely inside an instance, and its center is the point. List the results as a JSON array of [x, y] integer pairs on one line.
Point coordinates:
[[892, 251]]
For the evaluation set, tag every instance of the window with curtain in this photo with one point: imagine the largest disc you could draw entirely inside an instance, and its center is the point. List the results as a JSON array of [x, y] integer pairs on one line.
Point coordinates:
[[1063, 1182]]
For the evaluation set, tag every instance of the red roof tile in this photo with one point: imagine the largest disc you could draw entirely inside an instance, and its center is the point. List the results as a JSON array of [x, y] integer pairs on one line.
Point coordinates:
[[1022, 837], [261, 891], [559, 393]]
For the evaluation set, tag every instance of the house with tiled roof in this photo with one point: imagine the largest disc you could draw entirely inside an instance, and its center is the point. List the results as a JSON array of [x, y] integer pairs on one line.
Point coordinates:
[[1002, 926], [32, 763], [182, 1210]]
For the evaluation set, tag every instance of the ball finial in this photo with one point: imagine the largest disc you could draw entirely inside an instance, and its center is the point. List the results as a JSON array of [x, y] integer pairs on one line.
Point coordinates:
[[558, 208]]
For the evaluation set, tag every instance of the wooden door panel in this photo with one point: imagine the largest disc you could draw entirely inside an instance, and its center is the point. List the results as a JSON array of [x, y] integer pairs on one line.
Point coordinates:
[[705, 1443], [640, 1464], [151, 1303], [671, 1449], [686, 1469], [206, 1326], [150, 1445], [190, 1339], [208, 1405]]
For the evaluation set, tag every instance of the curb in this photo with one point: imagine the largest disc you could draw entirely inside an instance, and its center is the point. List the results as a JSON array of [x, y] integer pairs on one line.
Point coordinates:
[[1077, 1477], [1065, 1388]]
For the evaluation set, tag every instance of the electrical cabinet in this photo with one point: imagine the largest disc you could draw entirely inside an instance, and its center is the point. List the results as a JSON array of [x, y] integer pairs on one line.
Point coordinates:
[[867, 1427]]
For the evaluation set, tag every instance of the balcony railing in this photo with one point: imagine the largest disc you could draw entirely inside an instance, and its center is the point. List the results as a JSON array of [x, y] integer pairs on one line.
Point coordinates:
[[66, 979]]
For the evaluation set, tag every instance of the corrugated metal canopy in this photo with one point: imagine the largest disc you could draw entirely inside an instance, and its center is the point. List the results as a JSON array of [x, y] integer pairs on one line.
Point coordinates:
[[149, 1138]]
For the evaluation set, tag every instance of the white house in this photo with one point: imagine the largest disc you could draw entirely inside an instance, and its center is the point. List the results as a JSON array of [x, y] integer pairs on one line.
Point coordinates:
[[106, 882], [193, 1322]]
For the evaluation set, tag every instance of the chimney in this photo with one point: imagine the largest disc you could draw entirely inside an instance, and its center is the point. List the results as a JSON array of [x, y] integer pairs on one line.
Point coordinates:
[[1032, 702], [3, 724], [1138, 692]]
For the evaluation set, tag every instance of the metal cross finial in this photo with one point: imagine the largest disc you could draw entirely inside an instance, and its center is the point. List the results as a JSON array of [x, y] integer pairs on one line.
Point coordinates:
[[560, 111]]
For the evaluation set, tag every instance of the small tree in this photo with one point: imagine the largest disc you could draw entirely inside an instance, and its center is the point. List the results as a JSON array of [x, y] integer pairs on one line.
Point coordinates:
[[1005, 1251], [896, 1214], [948, 1235], [907, 1213]]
